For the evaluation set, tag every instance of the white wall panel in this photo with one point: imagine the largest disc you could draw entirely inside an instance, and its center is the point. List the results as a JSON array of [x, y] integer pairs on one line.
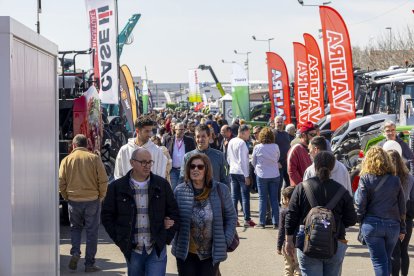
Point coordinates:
[[31, 136]]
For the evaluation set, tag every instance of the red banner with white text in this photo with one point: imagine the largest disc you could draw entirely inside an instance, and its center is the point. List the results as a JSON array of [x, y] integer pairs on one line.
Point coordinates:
[[338, 66], [301, 83], [316, 97], [278, 87]]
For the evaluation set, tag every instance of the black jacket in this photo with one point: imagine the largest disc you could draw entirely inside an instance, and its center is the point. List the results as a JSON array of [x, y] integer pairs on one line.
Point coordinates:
[[119, 213], [281, 232], [189, 144], [299, 207], [282, 139]]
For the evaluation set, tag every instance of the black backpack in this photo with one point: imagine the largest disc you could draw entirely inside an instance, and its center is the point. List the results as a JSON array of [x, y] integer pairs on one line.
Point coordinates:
[[320, 226]]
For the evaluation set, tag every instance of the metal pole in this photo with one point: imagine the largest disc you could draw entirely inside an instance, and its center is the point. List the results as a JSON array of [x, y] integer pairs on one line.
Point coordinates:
[[390, 29], [117, 51], [390, 39], [39, 10], [247, 67]]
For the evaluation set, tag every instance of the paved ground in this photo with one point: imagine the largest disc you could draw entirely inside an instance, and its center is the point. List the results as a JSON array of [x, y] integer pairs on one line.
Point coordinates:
[[256, 254]]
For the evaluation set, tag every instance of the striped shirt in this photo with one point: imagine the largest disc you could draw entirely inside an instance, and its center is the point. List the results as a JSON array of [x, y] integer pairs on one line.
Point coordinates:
[[142, 234]]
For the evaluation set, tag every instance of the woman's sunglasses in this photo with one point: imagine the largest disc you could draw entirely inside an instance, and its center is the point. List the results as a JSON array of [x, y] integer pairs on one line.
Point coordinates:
[[200, 167]]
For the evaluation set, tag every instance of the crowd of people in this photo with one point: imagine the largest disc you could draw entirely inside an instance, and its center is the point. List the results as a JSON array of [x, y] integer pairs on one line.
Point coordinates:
[[180, 180]]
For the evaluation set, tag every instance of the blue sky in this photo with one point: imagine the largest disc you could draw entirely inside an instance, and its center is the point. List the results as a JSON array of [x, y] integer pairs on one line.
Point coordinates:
[[175, 35]]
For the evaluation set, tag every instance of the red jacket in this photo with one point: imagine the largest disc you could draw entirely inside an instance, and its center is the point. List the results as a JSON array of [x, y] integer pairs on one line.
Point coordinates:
[[298, 160]]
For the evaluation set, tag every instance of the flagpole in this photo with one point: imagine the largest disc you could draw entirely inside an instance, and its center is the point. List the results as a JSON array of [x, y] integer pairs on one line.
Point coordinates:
[[117, 50]]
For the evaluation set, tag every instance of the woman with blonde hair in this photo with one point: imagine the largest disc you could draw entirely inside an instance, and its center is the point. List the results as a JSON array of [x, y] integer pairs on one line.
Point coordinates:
[[265, 160], [380, 207]]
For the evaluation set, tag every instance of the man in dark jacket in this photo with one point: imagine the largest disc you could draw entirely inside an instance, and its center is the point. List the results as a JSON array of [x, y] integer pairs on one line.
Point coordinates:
[[282, 139], [141, 216], [178, 145]]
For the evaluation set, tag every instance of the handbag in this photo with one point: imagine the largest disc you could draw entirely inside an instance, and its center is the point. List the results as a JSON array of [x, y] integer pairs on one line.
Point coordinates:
[[236, 241], [360, 237]]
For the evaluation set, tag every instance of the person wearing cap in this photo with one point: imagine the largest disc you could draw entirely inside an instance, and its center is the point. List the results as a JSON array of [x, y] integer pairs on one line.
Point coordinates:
[[390, 133], [298, 159]]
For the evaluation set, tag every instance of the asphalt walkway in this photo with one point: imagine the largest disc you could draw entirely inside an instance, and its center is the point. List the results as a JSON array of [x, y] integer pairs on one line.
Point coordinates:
[[256, 254]]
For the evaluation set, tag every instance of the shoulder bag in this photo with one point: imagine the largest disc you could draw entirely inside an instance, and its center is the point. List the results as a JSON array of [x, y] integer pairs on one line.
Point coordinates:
[[236, 241]]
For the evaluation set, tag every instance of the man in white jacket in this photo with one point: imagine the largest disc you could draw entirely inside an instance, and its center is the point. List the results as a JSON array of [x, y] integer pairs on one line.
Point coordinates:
[[339, 173], [143, 128]]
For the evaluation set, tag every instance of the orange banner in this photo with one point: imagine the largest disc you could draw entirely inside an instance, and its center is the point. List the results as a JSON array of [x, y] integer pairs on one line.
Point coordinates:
[[278, 87], [301, 83], [338, 67], [316, 99]]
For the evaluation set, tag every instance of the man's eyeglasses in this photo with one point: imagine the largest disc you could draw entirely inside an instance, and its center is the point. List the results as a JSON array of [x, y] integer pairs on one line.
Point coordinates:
[[200, 167], [144, 163], [390, 131]]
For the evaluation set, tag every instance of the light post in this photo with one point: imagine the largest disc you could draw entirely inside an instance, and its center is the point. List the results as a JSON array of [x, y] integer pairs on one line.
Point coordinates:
[[323, 4], [264, 40], [390, 29], [223, 61], [247, 62], [39, 11]]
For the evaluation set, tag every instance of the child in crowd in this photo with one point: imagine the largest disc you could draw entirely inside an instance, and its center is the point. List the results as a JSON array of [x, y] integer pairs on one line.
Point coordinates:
[[291, 264]]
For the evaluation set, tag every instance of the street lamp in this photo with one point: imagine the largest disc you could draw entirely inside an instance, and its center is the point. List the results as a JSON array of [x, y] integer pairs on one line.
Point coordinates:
[[390, 29], [323, 4], [268, 40], [227, 61], [247, 62]]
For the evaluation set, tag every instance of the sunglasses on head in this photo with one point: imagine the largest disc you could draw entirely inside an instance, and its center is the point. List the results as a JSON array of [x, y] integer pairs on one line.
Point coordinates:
[[200, 167]]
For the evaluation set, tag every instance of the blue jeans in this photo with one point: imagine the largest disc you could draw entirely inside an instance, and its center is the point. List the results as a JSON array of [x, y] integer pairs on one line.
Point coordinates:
[[84, 213], [268, 188], [322, 267], [174, 176], [147, 265], [239, 188], [326, 267], [381, 235]]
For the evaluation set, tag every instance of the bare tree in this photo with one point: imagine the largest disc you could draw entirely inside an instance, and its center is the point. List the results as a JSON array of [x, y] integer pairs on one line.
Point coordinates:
[[386, 51]]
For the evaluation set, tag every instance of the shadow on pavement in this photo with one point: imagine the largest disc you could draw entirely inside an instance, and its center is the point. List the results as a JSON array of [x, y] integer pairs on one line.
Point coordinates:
[[105, 264]]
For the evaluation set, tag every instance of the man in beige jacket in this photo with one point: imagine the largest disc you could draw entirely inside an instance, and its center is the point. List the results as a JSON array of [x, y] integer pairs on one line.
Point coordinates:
[[83, 183]]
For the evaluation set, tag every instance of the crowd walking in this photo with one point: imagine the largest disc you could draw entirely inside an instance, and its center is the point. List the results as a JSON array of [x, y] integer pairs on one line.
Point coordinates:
[[179, 182]]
